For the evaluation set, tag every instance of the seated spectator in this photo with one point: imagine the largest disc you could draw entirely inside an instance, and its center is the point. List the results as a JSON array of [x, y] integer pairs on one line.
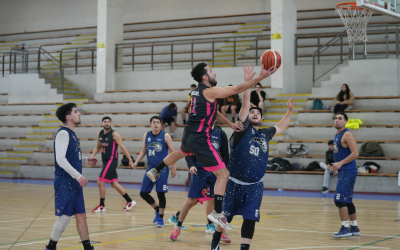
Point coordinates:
[[186, 108], [257, 98], [231, 104], [344, 100], [169, 116], [327, 166]]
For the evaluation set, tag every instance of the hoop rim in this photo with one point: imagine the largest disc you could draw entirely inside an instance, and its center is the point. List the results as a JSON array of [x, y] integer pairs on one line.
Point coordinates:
[[352, 4]]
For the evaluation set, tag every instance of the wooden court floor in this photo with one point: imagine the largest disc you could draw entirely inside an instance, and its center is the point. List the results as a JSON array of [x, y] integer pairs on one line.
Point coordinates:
[[286, 223]]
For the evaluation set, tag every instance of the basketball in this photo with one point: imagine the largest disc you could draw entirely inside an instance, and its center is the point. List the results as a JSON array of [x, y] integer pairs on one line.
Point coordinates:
[[270, 58]]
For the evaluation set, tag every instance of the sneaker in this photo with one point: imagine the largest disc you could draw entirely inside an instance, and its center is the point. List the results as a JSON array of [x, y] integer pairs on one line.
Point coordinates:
[[216, 248], [152, 174], [175, 233], [355, 230], [173, 221], [99, 209], [129, 205], [48, 248], [160, 222], [219, 219], [225, 238], [325, 190], [344, 232], [210, 228], [156, 217]]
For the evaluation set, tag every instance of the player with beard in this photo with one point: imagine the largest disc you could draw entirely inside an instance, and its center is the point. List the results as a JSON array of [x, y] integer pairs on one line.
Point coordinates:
[[196, 136], [344, 154], [247, 165], [108, 143]]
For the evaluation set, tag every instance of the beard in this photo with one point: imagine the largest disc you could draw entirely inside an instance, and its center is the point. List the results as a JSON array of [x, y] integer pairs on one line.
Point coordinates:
[[338, 127], [213, 82], [107, 128], [254, 123]]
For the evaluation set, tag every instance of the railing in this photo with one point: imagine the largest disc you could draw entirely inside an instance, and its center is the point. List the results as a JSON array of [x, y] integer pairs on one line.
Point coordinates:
[[211, 42]]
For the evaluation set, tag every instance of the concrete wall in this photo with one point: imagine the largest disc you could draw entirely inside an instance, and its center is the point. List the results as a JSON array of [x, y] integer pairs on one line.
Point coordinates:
[[4, 84], [85, 82], [28, 88]]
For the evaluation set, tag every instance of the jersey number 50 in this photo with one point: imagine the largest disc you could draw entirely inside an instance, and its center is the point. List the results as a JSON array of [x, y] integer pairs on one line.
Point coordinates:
[[254, 150]]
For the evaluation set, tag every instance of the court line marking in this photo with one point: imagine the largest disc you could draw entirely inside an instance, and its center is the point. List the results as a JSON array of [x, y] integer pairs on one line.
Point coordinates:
[[372, 243], [318, 203], [324, 247]]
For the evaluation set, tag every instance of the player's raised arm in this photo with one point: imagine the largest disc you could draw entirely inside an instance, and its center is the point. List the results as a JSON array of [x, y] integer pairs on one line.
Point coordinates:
[[284, 122]]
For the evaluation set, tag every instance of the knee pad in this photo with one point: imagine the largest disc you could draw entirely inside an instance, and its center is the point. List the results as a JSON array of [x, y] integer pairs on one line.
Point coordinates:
[[147, 197], [162, 201], [248, 228], [60, 226], [340, 204], [351, 208]]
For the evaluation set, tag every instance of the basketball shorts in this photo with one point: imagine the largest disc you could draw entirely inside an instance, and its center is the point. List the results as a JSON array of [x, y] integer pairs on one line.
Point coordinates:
[[161, 182], [168, 120], [109, 172], [345, 186], [200, 144], [243, 200], [202, 185], [68, 197]]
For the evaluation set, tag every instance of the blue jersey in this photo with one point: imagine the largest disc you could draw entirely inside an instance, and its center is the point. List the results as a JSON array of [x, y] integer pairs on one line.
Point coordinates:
[[156, 148], [216, 141], [73, 154], [340, 153], [249, 153]]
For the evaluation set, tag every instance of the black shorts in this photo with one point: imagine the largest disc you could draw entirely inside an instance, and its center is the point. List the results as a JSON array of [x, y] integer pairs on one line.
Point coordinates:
[[109, 171], [200, 145]]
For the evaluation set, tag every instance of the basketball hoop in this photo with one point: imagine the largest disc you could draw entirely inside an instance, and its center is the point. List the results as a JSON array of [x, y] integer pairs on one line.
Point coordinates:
[[355, 20]]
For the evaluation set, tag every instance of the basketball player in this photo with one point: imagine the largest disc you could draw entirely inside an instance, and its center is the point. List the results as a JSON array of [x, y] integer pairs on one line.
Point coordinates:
[[155, 145], [196, 136], [202, 186], [108, 141], [247, 165], [68, 178], [345, 153]]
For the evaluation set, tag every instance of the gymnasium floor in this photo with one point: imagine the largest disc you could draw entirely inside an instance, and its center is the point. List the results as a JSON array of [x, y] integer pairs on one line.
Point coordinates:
[[289, 220]]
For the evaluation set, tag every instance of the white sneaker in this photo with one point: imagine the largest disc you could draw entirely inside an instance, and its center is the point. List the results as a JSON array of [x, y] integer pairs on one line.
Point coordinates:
[[99, 209], [129, 205], [152, 174], [219, 219]]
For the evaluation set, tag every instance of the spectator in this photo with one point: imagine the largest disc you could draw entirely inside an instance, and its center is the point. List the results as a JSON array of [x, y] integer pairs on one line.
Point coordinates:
[[186, 108], [327, 165], [344, 100], [257, 98], [231, 104], [169, 116]]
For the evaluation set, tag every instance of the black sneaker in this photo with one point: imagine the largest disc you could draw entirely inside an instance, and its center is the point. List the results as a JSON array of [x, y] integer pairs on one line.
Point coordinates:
[[325, 190]]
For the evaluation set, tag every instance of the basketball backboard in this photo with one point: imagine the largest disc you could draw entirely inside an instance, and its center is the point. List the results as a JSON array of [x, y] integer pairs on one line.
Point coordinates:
[[385, 7]]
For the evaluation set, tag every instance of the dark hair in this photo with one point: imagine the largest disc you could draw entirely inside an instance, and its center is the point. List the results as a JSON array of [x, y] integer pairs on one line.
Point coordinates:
[[257, 109], [342, 113], [330, 142], [193, 86], [198, 72], [155, 117], [171, 106], [259, 84], [65, 110], [347, 92], [105, 118]]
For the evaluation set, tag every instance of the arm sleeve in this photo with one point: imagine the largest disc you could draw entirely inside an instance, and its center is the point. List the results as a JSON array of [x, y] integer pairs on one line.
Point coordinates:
[[237, 136], [270, 132], [61, 145], [189, 161], [224, 148]]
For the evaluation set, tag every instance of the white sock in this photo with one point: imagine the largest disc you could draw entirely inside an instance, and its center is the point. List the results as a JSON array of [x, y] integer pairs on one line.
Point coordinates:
[[345, 223], [353, 223], [171, 134]]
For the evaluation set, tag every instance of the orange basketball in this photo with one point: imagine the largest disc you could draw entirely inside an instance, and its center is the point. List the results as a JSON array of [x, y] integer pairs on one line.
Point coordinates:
[[270, 58]]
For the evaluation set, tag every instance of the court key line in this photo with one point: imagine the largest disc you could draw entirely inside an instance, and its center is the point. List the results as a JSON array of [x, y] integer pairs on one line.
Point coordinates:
[[325, 247]]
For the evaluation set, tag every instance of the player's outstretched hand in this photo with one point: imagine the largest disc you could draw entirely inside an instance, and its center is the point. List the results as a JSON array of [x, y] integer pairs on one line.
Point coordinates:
[[193, 170], [238, 126], [173, 172], [290, 105], [248, 72], [83, 181], [92, 161], [265, 73]]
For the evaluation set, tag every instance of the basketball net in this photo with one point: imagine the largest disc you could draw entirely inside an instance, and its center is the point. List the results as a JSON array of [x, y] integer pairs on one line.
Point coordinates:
[[355, 20]]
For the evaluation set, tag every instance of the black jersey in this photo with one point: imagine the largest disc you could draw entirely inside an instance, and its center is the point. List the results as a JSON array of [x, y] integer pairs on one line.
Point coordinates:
[[202, 113], [109, 148]]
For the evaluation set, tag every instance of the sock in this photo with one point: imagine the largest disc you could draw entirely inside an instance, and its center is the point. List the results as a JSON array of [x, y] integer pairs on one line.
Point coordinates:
[[244, 246], [184, 121], [218, 199], [233, 119], [171, 134], [179, 224], [86, 245], [353, 223], [177, 215], [209, 222], [216, 239], [157, 209], [161, 216], [127, 198], [160, 166], [345, 223], [102, 201], [52, 245]]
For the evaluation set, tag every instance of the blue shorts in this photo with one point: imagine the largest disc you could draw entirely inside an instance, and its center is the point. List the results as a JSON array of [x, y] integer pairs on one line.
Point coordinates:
[[161, 182], [345, 186], [243, 200], [68, 197], [202, 185], [168, 120]]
